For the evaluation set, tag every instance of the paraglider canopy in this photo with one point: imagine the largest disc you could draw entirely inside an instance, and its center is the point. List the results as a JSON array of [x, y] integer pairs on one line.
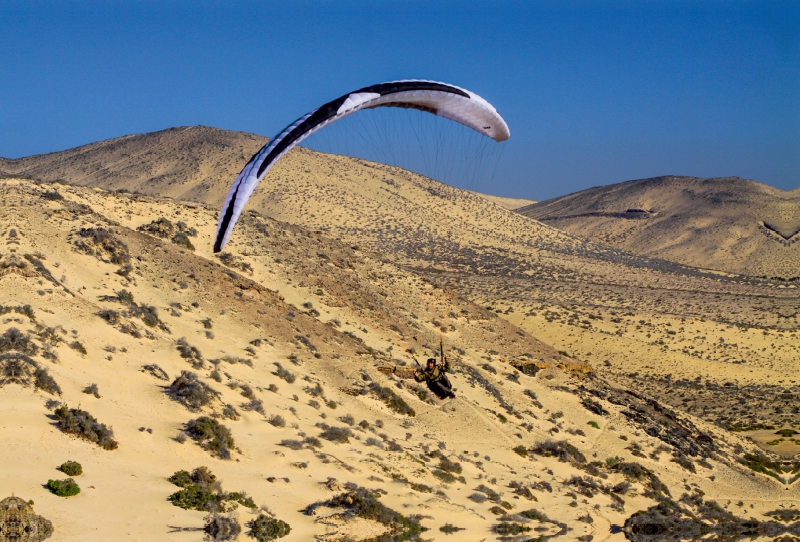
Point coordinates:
[[440, 99]]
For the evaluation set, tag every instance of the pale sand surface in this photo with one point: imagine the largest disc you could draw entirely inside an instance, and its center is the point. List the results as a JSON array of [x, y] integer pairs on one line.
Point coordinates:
[[508, 203], [367, 293]]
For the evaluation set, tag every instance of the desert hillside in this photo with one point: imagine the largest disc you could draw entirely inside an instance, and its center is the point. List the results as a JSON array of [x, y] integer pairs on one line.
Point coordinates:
[[178, 163], [392, 260], [626, 314], [729, 224], [262, 366]]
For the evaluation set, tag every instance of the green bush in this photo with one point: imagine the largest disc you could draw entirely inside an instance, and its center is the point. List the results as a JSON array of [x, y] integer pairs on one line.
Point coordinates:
[[63, 488], [196, 497], [72, 468], [594, 424], [520, 450], [448, 528], [200, 490], [265, 528], [211, 435]]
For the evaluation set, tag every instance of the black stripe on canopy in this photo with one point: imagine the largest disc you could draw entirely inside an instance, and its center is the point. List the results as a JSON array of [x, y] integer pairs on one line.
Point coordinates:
[[330, 109]]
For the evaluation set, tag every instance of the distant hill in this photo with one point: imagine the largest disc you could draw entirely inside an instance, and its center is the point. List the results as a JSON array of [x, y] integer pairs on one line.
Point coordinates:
[[728, 224], [189, 163], [381, 208]]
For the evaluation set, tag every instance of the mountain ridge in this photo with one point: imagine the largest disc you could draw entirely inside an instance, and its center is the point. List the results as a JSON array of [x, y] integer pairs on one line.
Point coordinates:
[[729, 224]]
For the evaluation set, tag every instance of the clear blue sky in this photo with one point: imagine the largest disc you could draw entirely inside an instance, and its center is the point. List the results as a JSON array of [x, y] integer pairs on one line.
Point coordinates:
[[594, 92]]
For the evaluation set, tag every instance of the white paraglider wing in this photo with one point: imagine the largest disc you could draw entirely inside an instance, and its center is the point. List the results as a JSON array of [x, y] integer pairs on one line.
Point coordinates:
[[440, 99]]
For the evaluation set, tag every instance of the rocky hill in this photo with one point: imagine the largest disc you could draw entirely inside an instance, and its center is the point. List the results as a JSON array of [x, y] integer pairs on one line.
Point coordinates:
[[729, 224]]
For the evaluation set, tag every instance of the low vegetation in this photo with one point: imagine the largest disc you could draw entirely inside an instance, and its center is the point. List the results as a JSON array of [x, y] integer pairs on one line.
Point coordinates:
[[277, 420], [364, 503], [229, 260], [156, 371], [265, 528], [444, 476], [103, 245], [190, 353], [71, 468], [452, 467], [212, 436], [148, 314], [561, 449], [80, 423], [760, 463], [43, 381], [177, 233], [188, 390], [200, 490], [337, 434], [92, 389], [78, 347], [63, 488], [391, 399], [280, 372]]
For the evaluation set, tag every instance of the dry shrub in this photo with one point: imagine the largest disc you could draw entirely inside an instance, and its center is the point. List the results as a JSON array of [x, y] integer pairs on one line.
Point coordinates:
[[103, 245], [191, 392], [82, 424], [337, 434]]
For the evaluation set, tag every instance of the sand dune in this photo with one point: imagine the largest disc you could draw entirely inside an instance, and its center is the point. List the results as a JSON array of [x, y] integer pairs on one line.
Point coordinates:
[[330, 321], [339, 268]]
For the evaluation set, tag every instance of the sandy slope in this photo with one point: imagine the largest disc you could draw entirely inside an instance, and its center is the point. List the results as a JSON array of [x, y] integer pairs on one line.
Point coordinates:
[[369, 248], [124, 491], [508, 203]]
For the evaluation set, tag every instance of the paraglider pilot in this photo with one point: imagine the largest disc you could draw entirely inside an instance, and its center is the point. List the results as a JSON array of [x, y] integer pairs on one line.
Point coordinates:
[[434, 376]]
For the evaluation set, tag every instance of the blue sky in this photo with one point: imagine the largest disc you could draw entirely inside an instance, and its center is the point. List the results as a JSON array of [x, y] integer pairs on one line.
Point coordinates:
[[594, 92]]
